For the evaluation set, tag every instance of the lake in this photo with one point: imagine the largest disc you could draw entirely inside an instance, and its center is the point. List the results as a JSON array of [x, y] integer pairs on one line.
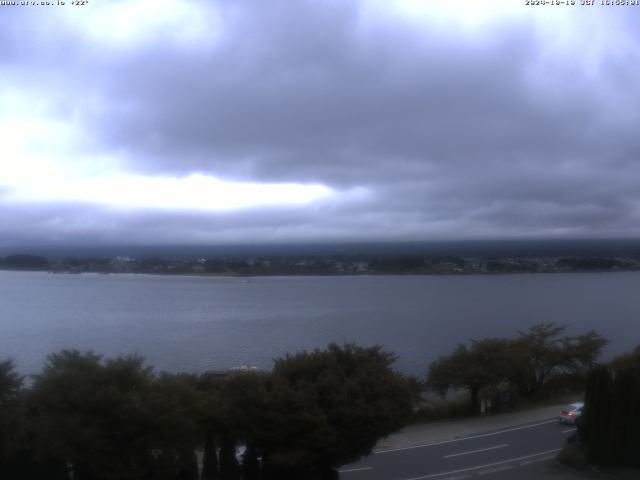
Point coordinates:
[[182, 323]]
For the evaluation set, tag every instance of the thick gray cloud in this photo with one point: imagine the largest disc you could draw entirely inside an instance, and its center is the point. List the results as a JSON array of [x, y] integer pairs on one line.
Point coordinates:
[[512, 126]]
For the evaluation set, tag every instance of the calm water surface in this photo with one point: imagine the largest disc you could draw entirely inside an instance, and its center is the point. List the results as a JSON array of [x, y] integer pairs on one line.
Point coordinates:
[[199, 323]]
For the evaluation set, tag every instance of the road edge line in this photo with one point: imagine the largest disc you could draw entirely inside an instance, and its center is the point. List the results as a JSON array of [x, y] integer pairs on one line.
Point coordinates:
[[471, 437]]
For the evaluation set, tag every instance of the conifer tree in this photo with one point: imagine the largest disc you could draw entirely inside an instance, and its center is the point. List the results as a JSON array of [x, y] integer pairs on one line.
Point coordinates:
[[597, 414]]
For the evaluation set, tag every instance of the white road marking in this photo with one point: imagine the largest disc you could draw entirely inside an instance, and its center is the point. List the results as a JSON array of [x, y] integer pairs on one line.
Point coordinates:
[[479, 467], [354, 469], [569, 430], [526, 462], [495, 470], [469, 452], [482, 435], [544, 459]]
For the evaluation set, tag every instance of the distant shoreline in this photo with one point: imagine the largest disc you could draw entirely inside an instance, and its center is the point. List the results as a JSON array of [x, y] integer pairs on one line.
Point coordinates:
[[327, 265], [312, 274]]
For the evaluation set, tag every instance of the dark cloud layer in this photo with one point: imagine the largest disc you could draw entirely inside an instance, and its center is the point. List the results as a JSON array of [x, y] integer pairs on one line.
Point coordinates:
[[502, 129]]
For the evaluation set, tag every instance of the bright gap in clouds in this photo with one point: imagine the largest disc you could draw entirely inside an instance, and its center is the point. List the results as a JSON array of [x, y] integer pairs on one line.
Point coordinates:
[[194, 192], [39, 164]]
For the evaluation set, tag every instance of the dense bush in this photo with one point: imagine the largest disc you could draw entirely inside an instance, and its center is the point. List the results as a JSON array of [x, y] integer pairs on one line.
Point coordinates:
[[107, 419]]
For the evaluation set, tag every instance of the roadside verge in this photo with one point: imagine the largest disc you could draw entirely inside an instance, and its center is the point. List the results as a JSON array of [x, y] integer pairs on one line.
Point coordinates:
[[440, 431]]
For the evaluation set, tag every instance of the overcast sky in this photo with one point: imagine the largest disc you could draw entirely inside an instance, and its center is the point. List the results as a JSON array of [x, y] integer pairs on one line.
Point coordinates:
[[158, 121]]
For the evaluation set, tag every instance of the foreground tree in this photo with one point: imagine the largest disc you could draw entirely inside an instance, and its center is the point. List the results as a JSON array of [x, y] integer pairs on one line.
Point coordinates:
[[10, 382], [94, 415], [328, 408], [610, 426], [211, 420], [484, 365], [625, 416], [250, 464], [209, 458], [525, 364], [244, 403], [629, 361], [175, 430], [543, 351], [229, 468], [10, 418], [106, 419], [596, 422]]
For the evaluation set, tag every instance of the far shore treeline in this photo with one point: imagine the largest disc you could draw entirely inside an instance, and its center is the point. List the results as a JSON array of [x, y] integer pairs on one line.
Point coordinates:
[[335, 264], [87, 417]]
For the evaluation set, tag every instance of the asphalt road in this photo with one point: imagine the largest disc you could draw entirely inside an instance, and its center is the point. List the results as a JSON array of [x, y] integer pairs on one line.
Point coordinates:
[[488, 455]]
